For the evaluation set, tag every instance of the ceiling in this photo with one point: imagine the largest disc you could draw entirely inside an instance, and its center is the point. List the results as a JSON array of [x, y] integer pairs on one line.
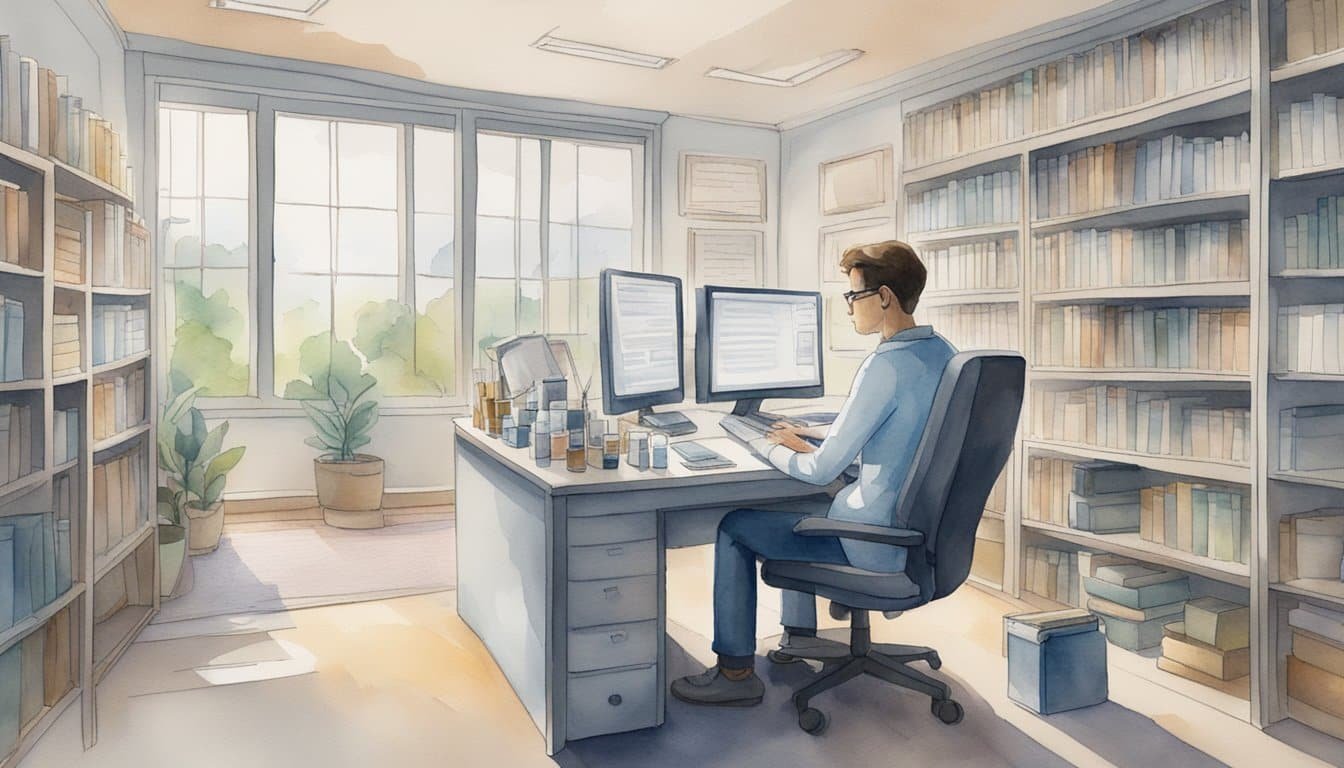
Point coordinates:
[[485, 44]]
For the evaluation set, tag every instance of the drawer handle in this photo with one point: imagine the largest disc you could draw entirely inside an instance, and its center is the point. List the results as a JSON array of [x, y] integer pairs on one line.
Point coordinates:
[[611, 593], [614, 699], [618, 637], [615, 551]]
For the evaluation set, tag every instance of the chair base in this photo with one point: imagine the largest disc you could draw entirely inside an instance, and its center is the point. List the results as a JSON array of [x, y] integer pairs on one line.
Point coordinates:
[[885, 661]]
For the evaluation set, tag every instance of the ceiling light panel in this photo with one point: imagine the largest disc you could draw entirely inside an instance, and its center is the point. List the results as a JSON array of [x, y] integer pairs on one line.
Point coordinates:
[[285, 9], [555, 44], [793, 75]]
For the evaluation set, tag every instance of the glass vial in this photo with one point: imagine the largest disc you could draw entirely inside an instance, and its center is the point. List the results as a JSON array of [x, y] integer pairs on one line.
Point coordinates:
[[575, 458], [658, 450], [541, 446], [611, 451], [559, 437]]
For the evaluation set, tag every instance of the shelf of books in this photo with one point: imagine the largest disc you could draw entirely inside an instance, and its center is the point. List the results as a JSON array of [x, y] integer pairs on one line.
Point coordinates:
[[74, 269]]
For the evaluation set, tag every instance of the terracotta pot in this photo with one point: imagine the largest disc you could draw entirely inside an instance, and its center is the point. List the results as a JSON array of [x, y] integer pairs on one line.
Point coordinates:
[[350, 492], [205, 527], [173, 561]]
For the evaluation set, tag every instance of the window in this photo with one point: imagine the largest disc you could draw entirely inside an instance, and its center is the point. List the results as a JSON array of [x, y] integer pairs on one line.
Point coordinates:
[[205, 163]]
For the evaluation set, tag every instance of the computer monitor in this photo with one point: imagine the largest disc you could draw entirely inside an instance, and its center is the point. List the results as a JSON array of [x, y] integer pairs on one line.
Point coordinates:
[[754, 343], [640, 344]]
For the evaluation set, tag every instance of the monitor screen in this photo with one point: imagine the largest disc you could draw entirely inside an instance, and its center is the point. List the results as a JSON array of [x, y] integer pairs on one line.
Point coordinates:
[[763, 340], [641, 340]]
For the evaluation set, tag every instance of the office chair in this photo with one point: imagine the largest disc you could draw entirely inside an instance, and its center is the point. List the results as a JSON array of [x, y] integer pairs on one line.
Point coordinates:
[[964, 447]]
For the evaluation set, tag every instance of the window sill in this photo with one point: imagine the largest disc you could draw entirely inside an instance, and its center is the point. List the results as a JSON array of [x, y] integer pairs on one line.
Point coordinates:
[[264, 408]]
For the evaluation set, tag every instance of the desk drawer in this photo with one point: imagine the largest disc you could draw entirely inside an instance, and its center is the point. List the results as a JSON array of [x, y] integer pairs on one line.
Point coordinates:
[[612, 561], [609, 528], [617, 645], [611, 702], [612, 601]]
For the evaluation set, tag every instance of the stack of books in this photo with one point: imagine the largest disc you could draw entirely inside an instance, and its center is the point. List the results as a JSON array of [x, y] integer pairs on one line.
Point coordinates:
[[1146, 422], [1310, 437], [66, 354], [1312, 27], [1310, 339], [1309, 134], [1105, 497], [1311, 545], [1137, 172], [38, 113], [1134, 601], [970, 202], [120, 248], [1204, 520], [1315, 239], [119, 331], [65, 434], [1195, 51], [1109, 336], [1088, 563], [1183, 253], [15, 246], [1316, 668], [1211, 646], [16, 441], [119, 507], [74, 230], [118, 403], [976, 326], [1053, 574], [968, 266], [11, 340]]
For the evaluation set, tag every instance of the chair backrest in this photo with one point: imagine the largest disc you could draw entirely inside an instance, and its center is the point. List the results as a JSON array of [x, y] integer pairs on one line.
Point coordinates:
[[965, 445]]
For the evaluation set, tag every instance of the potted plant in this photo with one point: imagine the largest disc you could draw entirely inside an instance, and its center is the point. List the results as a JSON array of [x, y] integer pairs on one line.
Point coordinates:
[[338, 401], [175, 572], [197, 468]]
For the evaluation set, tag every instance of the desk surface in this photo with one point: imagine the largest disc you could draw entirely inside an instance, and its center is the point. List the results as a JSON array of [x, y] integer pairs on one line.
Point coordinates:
[[556, 480]]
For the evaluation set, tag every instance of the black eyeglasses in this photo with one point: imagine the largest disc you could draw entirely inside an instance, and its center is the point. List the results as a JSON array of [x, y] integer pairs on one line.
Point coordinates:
[[853, 296]]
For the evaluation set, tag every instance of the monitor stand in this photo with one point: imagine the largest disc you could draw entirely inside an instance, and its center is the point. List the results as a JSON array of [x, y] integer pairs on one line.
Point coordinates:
[[750, 408], [673, 423]]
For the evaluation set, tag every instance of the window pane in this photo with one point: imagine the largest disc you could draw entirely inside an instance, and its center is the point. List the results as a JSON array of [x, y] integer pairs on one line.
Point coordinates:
[[182, 242], [494, 312], [494, 247], [366, 158], [600, 248], [604, 187], [227, 159], [365, 300], [225, 233], [434, 244], [210, 333], [434, 154], [529, 306], [564, 182], [185, 154], [165, 158], [435, 324], [561, 250], [302, 239], [496, 161], [302, 311], [529, 250], [559, 302], [530, 180], [302, 160], [366, 241]]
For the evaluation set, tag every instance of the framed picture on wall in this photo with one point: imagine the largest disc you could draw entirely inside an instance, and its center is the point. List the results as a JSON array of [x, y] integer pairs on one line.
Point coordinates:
[[726, 257], [719, 188], [856, 182], [836, 238]]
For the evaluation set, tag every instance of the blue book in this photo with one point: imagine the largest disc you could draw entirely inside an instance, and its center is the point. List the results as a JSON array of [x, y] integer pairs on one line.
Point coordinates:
[[1142, 597], [49, 557], [29, 577], [11, 696], [1135, 635], [13, 363], [1199, 502], [6, 577], [1187, 167], [1105, 513]]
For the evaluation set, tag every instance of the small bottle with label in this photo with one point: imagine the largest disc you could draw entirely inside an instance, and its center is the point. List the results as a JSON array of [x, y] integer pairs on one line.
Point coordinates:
[[559, 436], [611, 451], [658, 450], [541, 446], [575, 458]]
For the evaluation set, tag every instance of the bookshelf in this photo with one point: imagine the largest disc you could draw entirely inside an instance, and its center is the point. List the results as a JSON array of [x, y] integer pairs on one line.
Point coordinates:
[[71, 635]]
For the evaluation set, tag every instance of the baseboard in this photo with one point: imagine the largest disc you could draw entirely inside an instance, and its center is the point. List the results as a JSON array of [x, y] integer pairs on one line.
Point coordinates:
[[304, 507]]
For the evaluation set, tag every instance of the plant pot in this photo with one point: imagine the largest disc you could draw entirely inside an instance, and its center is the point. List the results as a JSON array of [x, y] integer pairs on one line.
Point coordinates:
[[350, 492], [175, 571], [205, 527]]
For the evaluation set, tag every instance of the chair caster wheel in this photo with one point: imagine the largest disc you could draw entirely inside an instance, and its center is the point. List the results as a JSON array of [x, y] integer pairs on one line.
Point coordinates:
[[838, 612], [947, 710], [812, 720], [779, 657], [934, 661]]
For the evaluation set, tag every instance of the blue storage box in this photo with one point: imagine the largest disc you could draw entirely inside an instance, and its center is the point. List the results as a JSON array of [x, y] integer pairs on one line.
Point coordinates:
[[1056, 660]]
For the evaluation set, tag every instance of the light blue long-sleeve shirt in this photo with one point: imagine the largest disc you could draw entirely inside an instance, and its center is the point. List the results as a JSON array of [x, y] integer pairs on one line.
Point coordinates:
[[881, 422]]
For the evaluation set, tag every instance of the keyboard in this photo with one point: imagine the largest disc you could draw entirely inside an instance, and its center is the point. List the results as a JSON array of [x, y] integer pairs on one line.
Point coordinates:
[[744, 429]]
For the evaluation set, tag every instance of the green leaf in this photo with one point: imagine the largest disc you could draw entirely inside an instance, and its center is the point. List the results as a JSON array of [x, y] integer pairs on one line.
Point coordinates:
[[195, 484], [214, 441], [169, 512], [186, 448], [172, 412], [302, 390], [320, 444], [164, 495], [359, 442], [198, 429], [328, 424], [213, 491], [223, 464], [361, 420]]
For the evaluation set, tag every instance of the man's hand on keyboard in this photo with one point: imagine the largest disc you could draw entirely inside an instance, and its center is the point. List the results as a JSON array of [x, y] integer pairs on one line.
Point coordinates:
[[790, 437], [800, 429]]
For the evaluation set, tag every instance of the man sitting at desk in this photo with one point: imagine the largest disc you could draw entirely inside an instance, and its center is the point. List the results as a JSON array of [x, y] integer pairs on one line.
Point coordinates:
[[881, 421]]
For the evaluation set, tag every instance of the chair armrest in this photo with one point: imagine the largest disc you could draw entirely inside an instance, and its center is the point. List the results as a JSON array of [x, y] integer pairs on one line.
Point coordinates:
[[882, 534]]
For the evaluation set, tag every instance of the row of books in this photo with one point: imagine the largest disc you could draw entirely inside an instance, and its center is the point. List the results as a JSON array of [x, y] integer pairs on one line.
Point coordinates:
[[34, 563], [118, 403], [1154, 423], [15, 245], [34, 674], [1310, 339], [1316, 668], [119, 499], [1311, 545], [1109, 336], [1312, 27], [976, 326], [990, 198], [39, 114], [1140, 171], [1204, 520], [987, 559], [1315, 239], [74, 230], [1210, 645], [119, 330], [120, 250], [1184, 253], [1310, 437], [16, 441], [66, 354], [1309, 134], [1194, 51], [11, 340], [1052, 574], [65, 435], [989, 264]]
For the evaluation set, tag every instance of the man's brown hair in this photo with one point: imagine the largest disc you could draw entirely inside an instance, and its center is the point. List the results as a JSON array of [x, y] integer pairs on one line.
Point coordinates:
[[891, 263]]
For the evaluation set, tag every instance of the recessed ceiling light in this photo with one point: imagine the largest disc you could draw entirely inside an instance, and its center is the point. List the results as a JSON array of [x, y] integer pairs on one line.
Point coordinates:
[[548, 42], [285, 9], [795, 74]]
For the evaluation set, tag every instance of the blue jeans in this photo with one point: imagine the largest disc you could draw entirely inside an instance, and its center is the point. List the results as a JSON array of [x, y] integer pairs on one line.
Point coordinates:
[[745, 536]]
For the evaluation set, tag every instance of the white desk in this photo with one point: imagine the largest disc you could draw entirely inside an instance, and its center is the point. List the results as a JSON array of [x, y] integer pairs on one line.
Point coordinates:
[[562, 574]]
